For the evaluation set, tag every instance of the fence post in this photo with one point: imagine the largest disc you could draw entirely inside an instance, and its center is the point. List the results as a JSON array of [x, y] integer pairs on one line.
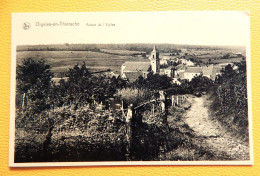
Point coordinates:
[[23, 100], [162, 99], [122, 109], [177, 100], [153, 109], [129, 117]]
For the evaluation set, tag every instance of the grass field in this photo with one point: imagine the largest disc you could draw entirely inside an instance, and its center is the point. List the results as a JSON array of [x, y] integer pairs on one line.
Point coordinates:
[[215, 56], [218, 61], [121, 52], [61, 61]]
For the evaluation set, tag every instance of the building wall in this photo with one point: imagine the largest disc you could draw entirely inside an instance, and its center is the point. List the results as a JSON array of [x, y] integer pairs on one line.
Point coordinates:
[[189, 76], [168, 73], [153, 63], [157, 64], [122, 69]]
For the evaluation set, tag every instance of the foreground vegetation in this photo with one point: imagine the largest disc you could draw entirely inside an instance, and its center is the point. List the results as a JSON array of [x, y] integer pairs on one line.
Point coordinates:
[[230, 102], [81, 119]]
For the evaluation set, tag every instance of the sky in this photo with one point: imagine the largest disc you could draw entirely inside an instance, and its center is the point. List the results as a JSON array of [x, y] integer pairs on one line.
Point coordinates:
[[175, 27]]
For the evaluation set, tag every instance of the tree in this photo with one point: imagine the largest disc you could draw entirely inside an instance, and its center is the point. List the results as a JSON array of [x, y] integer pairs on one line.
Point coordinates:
[[185, 86], [227, 74], [140, 82], [200, 83], [79, 85], [34, 82], [153, 82], [157, 82], [230, 98], [83, 87]]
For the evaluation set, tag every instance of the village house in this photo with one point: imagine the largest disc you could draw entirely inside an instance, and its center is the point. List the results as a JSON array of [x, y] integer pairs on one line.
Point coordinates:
[[169, 71], [132, 70], [210, 72], [179, 71], [192, 72], [164, 61]]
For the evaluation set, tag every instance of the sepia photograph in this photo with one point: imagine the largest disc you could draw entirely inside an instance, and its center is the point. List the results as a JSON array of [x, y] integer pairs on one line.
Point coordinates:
[[130, 88]]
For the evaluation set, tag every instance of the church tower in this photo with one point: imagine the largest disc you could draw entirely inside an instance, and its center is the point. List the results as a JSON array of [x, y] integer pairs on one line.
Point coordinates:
[[155, 61]]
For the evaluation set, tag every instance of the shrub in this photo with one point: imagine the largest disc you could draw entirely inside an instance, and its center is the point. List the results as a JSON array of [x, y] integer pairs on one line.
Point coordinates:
[[134, 96]]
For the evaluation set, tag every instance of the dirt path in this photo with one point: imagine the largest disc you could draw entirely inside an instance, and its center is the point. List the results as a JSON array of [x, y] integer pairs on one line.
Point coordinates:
[[212, 134]]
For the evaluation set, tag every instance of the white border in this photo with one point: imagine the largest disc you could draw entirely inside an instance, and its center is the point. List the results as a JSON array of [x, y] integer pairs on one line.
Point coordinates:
[[124, 163], [249, 92]]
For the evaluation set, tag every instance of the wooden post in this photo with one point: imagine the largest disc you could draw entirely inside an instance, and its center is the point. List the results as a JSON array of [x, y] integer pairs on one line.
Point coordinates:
[[177, 100], [173, 103], [122, 109], [162, 99], [163, 104], [23, 100], [129, 117], [129, 113], [153, 110]]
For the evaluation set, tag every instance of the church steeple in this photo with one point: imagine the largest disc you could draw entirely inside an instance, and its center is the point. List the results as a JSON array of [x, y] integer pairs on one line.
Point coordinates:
[[155, 61], [154, 48]]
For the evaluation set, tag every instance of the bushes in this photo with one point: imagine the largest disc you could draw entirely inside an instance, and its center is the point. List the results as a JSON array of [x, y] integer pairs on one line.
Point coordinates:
[[230, 99], [65, 135], [134, 96], [33, 85], [58, 119], [152, 82]]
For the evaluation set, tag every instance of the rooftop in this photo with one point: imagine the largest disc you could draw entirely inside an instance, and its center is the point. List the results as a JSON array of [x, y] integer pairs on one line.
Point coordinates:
[[193, 70], [207, 70], [137, 66], [180, 75]]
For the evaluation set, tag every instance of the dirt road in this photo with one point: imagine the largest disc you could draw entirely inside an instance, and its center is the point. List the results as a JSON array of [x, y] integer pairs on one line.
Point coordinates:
[[212, 134]]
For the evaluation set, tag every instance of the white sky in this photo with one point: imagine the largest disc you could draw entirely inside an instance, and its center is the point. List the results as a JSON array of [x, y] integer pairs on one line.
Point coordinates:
[[176, 27]]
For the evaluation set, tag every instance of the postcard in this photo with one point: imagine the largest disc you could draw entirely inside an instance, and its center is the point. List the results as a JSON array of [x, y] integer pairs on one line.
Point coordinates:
[[130, 88]]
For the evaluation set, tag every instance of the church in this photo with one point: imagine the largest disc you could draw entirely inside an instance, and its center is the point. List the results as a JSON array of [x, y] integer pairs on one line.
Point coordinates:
[[132, 70]]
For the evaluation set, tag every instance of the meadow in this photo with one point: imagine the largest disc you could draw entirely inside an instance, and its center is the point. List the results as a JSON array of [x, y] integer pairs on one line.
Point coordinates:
[[215, 55], [61, 61]]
